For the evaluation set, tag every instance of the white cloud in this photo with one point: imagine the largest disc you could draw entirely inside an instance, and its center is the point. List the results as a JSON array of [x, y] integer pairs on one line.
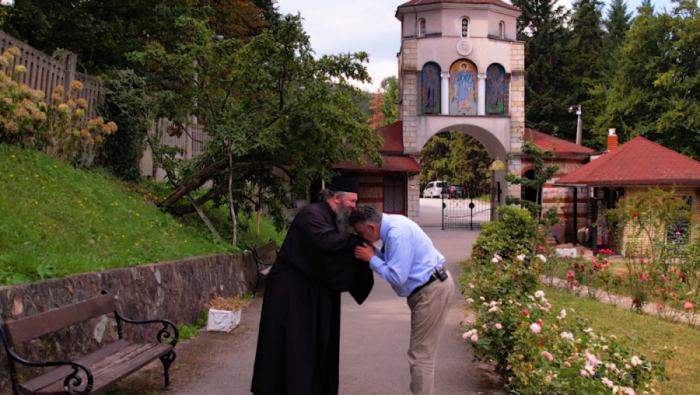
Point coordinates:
[[342, 26], [337, 26]]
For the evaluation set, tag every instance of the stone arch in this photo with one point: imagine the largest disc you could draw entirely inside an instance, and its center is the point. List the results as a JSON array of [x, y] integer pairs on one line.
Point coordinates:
[[430, 88], [496, 89], [463, 88], [494, 136]]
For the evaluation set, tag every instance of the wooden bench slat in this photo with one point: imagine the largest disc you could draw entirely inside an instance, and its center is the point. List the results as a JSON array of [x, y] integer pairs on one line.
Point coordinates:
[[38, 325], [114, 367], [60, 373], [266, 249], [116, 373]]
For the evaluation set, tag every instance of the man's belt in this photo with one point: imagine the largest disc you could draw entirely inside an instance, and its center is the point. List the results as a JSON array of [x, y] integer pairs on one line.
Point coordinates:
[[433, 277]]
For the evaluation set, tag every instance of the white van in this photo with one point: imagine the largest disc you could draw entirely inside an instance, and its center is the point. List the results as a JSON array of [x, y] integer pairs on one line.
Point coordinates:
[[434, 189]]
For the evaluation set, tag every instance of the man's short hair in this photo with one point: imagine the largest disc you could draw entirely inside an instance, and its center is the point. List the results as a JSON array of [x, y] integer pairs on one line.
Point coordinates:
[[364, 214]]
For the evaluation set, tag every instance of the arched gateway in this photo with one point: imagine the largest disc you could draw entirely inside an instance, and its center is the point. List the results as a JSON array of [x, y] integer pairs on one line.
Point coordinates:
[[460, 69], [463, 76]]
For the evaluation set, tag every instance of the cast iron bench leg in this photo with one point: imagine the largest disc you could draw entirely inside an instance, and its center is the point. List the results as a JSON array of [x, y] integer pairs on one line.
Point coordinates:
[[167, 360]]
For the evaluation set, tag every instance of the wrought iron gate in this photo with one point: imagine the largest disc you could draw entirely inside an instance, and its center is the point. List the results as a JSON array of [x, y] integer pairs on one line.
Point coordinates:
[[470, 206]]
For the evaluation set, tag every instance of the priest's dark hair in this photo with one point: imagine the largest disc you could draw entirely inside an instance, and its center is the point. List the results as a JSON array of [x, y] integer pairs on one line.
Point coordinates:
[[364, 214], [326, 195]]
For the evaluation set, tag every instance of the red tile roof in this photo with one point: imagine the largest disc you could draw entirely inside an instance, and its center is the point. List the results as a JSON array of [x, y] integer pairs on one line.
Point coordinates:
[[391, 163], [494, 2], [393, 138], [639, 162], [551, 143]]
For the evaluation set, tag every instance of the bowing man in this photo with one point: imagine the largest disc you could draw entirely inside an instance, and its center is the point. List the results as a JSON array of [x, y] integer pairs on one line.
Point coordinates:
[[414, 268]]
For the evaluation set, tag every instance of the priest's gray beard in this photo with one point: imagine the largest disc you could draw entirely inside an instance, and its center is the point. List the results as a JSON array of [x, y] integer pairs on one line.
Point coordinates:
[[342, 218]]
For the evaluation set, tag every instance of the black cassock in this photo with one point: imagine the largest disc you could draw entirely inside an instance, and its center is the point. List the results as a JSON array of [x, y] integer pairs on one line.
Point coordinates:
[[299, 338]]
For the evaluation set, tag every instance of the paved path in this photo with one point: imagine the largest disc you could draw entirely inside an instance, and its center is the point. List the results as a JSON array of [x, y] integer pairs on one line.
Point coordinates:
[[430, 212], [374, 342]]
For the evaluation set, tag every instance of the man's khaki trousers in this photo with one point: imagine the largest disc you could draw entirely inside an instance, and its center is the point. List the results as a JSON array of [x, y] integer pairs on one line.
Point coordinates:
[[429, 309]]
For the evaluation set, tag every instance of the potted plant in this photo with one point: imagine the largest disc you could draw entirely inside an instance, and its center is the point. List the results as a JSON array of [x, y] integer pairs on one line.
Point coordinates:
[[225, 313]]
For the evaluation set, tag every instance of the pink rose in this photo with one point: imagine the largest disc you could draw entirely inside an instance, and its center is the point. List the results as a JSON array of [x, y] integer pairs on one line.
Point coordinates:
[[474, 338], [526, 312], [499, 326], [535, 328], [687, 305], [568, 365], [547, 355]]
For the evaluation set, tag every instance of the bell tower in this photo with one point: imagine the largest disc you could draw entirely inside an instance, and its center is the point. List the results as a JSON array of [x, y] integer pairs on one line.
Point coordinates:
[[461, 68]]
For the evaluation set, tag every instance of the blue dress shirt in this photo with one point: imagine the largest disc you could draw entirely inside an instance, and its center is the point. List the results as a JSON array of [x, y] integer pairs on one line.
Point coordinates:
[[409, 257]]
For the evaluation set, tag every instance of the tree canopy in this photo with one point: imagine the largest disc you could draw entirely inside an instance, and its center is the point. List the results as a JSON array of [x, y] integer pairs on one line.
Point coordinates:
[[278, 118], [103, 32], [455, 157]]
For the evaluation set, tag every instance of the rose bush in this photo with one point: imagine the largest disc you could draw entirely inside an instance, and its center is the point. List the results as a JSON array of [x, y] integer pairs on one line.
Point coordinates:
[[537, 348], [542, 350]]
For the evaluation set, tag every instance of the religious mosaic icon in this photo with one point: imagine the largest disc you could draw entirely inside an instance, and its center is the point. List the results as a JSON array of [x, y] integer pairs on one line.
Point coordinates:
[[495, 90], [430, 89], [463, 88]]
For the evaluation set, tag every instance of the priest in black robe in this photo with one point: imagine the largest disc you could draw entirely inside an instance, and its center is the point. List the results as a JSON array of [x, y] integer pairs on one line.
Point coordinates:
[[299, 338]]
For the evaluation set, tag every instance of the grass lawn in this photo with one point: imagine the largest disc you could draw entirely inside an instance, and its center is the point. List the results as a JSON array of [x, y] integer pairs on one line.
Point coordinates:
[[57, 220], [682, 369]]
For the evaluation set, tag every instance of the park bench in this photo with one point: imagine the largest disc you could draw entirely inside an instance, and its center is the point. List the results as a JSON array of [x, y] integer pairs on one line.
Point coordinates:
[[96, 371], [261, 255]]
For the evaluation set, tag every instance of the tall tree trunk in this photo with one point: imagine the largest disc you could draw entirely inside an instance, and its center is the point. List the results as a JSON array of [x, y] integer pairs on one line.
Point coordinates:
[[257, 231], [234, 231]]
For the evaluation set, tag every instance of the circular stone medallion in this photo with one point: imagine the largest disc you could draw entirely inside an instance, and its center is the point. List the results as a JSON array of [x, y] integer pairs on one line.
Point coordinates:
[[464, 47]]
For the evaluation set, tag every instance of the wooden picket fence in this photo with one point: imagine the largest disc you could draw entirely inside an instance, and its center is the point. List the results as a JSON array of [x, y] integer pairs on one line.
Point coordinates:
[[46, 73]]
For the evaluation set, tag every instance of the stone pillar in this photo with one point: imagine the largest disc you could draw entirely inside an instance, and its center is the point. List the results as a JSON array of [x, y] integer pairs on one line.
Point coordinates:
[[517, 111], [481, 95], [445, 94], [410, 74], [413, 198]]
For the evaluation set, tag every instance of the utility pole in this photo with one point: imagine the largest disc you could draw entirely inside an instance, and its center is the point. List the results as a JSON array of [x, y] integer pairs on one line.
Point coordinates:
[[579, 123]]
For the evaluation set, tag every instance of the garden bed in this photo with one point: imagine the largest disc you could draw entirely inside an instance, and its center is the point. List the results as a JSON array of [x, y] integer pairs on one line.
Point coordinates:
[[685, 377]]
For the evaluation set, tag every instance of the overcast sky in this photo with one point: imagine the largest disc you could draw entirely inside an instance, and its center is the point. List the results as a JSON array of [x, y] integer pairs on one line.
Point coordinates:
[[342, 26]]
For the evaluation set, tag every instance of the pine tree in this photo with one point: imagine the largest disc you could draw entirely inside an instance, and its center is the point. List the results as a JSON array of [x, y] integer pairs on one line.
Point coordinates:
[[617, 24], [548, 78], [655, 92], [588, 69]]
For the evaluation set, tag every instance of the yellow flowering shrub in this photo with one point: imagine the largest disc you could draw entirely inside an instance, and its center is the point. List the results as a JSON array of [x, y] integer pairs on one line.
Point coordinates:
[[57, 127]]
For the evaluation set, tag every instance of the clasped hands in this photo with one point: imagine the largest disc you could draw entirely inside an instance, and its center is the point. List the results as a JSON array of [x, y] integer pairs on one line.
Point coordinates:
[[365, 252]]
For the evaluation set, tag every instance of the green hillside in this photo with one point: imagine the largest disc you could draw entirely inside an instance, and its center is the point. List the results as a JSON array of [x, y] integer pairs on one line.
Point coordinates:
[[56, 220]]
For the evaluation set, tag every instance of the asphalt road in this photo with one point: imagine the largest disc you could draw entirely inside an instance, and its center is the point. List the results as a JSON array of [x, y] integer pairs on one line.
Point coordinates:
[[374, 342]]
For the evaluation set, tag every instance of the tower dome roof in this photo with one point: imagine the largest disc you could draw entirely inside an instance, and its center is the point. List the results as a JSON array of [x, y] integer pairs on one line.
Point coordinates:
[[499, 3]]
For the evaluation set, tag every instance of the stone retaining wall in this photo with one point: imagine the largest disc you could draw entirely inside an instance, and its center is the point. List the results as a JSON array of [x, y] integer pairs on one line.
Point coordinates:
[[176, 291]]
